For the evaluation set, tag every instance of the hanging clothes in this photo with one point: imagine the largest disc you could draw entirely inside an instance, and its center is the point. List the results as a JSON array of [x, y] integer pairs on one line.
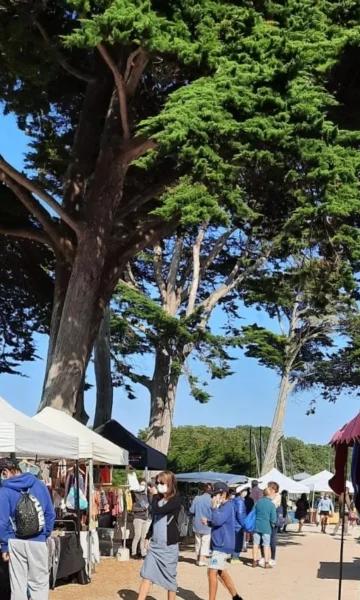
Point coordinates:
[[128, 501]]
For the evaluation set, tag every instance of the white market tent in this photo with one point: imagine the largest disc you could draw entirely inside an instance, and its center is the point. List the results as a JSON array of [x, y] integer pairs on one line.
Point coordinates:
[[24, 437], [301, 476], [320, 482], [91, 444], [285, 483]]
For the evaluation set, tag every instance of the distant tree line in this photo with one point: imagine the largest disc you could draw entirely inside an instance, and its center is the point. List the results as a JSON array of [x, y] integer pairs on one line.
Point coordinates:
[[229, 450]]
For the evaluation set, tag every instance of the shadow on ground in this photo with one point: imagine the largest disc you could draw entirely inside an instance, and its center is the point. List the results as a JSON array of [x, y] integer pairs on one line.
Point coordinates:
[[331, 570], [130, 595], [289, 539], [187, 559], [187, 594], [182, 593]]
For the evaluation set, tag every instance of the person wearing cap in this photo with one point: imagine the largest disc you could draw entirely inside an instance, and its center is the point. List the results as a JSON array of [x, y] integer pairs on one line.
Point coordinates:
[[201, 508], [28, 558], [240, 516], [222, 540]]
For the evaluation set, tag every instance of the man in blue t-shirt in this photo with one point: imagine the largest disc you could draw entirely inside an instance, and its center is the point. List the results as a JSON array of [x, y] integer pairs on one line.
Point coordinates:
[[325, 509], [201, 509]]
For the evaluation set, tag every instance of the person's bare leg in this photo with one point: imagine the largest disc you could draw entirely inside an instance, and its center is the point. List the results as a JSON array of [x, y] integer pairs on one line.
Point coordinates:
[[144, 589], [325, 524], [255, 554], [171, 595], [267, 554], [213, 583], [227, 581]]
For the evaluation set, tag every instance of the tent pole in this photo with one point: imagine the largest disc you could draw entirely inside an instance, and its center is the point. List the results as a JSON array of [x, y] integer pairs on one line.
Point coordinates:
[[77, 496], [91, 494], [342, 516]]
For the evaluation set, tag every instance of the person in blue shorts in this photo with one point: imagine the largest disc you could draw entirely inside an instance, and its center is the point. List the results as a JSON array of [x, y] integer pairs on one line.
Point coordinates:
[[222, 541]]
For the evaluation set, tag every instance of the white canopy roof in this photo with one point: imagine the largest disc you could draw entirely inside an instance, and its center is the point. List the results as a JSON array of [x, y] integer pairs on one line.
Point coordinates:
[[26, 438], [91, 444], [320, 482], [285, 483]]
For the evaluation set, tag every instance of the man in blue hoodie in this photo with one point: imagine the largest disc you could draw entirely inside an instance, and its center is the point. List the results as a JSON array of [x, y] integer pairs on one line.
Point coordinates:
[[222, 541], [28, 558]]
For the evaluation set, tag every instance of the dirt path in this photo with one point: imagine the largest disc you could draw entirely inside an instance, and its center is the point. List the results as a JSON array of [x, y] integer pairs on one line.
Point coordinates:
[[307, 567]]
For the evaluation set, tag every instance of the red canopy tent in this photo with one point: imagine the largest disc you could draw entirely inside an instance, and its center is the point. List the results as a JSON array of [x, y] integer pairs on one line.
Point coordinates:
[[348, 435]]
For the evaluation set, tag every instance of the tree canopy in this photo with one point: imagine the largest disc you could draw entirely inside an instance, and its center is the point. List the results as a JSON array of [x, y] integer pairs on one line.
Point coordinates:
[[151, 117]]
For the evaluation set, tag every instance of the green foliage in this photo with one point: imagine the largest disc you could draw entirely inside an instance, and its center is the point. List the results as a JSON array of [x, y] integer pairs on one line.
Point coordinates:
[[339, 371], [141, 325], [227, 450], [26, 287], [309, 297]]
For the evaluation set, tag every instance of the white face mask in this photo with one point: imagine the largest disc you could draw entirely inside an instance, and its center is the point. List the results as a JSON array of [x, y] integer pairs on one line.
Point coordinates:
[[162, 488], [142, 488]]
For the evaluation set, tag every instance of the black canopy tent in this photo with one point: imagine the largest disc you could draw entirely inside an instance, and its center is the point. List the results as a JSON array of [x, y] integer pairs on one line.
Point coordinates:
[[141, 455]]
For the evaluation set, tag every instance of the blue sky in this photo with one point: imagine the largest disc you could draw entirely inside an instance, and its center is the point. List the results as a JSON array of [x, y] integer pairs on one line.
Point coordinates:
[[246, 398]]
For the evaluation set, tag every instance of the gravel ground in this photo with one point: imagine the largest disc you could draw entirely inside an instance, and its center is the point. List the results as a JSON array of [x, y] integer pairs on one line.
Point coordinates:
[[307, 567]]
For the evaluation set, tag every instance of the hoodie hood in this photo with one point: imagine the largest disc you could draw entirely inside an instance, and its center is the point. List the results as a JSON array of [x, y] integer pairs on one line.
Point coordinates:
[[20, 482]]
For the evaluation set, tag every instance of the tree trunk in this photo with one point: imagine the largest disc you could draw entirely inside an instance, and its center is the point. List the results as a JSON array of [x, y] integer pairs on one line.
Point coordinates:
[[276, 433], [62, 276], [73, 343], [80, 412], [163, 395], [102, 360]]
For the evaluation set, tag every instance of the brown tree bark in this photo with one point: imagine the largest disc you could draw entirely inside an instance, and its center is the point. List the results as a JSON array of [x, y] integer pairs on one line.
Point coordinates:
[[276, 433], [102, 363], [163, 396]]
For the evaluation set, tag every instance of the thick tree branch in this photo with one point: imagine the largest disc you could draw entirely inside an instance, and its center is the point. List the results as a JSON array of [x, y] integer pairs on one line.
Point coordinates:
[[195, 282], [174, 264], [129, 277], [34, 207], [60, 58], [158, 272], [232, 281], [139, 200], [218, 246], [27, 233], [120, 87], [135, 148], [135, 66], [15, 175]]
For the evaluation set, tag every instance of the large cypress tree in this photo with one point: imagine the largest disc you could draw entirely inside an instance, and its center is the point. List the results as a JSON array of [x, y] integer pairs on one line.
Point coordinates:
[[147, 114]]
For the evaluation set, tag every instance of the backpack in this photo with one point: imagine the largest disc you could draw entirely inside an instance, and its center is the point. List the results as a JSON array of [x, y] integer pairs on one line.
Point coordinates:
[[29, 516], [249, 523]]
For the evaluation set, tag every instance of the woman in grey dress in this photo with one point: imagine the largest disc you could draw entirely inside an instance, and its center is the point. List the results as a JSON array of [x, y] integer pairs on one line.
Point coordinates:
[[160, 564]]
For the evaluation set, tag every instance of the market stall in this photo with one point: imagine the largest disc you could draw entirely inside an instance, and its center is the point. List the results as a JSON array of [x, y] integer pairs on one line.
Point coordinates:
[[284, 482], [105, 501], [320, 482], [38, 446], [24, 437], [141, 455]]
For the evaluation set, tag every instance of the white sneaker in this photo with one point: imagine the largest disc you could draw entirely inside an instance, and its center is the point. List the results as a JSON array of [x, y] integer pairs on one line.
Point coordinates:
[[272, 563], [262, 562]]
